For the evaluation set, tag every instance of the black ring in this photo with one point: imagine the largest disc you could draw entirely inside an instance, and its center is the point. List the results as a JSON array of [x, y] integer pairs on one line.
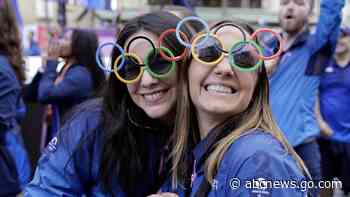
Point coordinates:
[[141, 37], [138, 37], [229, 24]]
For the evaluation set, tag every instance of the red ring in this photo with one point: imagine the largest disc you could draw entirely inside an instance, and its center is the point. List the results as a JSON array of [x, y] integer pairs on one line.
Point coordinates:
[[160, 40], [254, 35]]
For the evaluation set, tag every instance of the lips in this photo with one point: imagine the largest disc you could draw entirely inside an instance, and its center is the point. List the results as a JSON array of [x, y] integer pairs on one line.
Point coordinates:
[[220, 88], [154, 96], [289, 16], [341, 47]]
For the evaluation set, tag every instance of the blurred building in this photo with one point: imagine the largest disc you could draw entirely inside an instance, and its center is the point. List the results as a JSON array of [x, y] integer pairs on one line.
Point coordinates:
[[255, 11]]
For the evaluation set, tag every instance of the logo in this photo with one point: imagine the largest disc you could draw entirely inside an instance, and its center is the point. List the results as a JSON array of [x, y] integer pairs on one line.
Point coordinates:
[[235, 183], [260, 188], [52, 146], [329, 69], [214, 185]]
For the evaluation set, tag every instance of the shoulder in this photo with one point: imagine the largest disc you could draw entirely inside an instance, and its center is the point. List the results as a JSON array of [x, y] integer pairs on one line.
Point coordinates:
[[78, 69], [5, 66], [7, 74], [4, 62], [80, 75], [256, 141], [83, 122], [259, 157], [70, 163], [90, 110], [260, 150]]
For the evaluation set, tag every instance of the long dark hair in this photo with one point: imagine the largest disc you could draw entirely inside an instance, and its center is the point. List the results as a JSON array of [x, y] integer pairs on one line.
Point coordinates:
[[124, 147], [10, 39], [84, 45]]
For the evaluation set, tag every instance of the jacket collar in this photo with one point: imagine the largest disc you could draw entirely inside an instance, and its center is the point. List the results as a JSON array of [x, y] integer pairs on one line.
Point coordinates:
[[215, 134], [301, 38]]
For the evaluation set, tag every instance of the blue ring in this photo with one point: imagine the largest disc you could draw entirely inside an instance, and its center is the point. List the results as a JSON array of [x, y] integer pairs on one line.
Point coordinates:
[[97, 56], [206, 27]]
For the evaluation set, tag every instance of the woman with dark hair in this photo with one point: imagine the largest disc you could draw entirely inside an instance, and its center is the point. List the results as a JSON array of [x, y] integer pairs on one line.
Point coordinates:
[[227, 142], [78, 80], [117, 145], [14, 163]]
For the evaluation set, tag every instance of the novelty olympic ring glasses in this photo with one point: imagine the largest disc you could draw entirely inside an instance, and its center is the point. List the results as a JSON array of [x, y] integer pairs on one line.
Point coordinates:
[[244, 55], [157, 66], [206, 47], [129, 68]]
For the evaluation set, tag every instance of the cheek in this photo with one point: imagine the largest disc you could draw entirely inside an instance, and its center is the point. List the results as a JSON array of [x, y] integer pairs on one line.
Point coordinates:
[[303, 13], [195, 76], [281, 12], [172, 79], [132, 88], [69, 48], [346, 43], [247, 82], [198, 72], [66, 48]]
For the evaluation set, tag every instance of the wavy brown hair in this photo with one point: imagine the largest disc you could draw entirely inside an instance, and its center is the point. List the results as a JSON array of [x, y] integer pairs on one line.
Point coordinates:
[[258, 115], [10, 39]]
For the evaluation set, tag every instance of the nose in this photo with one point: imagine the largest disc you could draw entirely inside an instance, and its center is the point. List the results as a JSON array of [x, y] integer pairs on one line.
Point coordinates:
[[290, 6], [147, 80], [223, 68]]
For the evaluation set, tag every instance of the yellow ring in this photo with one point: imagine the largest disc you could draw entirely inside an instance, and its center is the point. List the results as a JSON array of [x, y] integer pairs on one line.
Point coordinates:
[[195, 55], [115, 68]]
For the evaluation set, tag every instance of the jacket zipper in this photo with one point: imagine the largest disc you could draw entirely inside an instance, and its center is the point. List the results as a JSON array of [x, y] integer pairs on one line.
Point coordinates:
[[194, 173]]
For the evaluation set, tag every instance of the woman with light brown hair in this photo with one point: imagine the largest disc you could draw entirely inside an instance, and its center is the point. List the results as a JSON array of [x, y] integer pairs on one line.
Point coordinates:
[[227, 142], [14, 163]]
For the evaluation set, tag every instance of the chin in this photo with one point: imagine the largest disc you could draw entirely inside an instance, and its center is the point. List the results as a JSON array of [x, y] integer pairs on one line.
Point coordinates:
[[220, 110], [157, 112], [289, 27]]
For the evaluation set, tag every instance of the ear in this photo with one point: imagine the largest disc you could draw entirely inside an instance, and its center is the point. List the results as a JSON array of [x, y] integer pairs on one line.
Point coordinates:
[[311, 18], [311, 12]]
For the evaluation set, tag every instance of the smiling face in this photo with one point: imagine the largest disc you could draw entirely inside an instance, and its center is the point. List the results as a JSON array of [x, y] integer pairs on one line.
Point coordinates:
[[293, 14], [218, 91], [343, 45], [157, 97]]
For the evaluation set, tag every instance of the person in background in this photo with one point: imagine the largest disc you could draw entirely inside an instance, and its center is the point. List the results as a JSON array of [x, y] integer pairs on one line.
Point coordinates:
[[295, 80], [14, 163], [179, 11], [33, 46], [79, 78], [333, 115]]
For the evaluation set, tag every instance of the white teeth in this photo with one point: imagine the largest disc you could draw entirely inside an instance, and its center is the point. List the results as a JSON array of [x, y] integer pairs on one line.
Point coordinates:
[[154, 96], [220, 89]]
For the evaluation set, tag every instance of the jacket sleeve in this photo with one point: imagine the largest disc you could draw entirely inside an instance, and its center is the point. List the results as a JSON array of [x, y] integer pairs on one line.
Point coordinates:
[[8, 99], [76, 83], [56, 174], [257, 172], [328, 25], [30, 91]]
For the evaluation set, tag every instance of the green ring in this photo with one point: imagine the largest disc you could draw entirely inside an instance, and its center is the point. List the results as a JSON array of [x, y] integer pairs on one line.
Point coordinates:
[[232, 61], [147, 67]]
